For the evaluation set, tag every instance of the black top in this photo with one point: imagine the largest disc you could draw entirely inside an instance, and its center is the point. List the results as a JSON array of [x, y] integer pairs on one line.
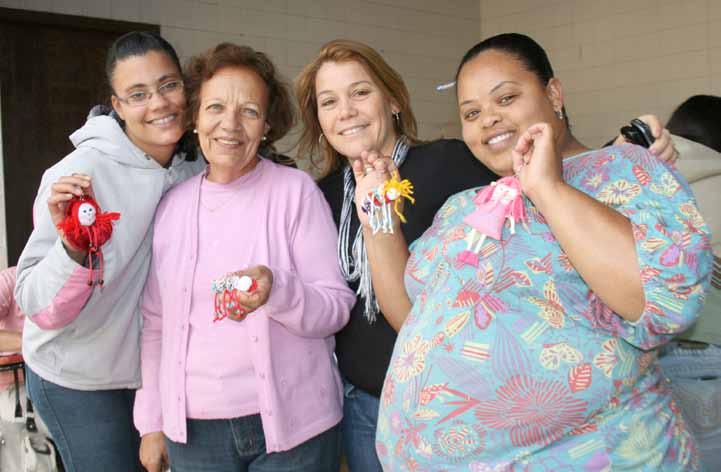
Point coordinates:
[[437, 170]]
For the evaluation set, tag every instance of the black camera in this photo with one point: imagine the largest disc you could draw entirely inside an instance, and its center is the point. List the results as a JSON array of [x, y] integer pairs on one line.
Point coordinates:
[[639, 133]]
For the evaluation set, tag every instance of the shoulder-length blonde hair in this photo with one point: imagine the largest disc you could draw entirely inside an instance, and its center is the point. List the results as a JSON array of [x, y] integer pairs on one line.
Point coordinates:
[[385, 77]]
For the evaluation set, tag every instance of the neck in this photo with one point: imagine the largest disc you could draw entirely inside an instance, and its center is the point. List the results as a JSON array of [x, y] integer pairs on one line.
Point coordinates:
[[570, 146], [162, 154], [226, 175], [386, 150]]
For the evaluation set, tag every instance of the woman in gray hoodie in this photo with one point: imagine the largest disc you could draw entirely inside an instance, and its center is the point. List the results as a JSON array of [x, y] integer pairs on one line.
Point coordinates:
[[81, 340]]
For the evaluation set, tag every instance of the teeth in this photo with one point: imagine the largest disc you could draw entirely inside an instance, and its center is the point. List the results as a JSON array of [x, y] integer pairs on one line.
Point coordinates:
[[350, 131], [163, 121], [499, 138], [231, 142]]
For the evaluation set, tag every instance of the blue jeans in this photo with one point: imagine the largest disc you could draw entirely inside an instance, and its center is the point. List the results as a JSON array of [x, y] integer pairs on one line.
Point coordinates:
[[360, 417], [93, 430], [695, 375], [238, 445]]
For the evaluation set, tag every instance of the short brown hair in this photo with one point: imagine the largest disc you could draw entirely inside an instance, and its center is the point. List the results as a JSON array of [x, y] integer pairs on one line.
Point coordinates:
[[387, 79], [200, 68]]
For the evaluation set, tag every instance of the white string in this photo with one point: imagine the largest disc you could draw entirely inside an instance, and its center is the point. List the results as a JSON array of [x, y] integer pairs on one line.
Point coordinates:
[[354, 260]]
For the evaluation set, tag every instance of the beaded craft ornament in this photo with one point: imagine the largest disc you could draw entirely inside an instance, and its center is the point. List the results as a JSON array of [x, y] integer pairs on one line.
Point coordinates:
[[495, 203], [226, 290], [87, 228], [379, 202]]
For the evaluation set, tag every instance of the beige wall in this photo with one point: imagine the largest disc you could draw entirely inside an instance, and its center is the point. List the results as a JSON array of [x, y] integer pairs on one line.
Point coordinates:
[[422, 39], [619, 58]]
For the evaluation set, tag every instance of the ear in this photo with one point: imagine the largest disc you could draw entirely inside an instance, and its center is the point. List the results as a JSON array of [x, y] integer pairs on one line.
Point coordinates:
[[117, 106], [554, 91], [395, 108]]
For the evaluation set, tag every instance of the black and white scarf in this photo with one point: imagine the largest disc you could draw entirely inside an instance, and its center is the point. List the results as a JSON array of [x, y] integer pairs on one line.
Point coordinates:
[[354, 259]]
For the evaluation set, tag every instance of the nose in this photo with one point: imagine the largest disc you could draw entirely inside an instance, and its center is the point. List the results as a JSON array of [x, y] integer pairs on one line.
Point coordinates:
[[347, 109], [490, 118], [231, 121], [157, 100]]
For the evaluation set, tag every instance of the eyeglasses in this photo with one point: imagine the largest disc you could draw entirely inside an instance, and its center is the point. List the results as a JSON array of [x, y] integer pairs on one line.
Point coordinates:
[[141, 98]]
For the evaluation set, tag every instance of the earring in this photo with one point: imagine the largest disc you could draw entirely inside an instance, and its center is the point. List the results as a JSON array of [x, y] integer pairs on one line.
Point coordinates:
[[559, 113], [195, 131], [320, 139], [397, 117], [264, 138]]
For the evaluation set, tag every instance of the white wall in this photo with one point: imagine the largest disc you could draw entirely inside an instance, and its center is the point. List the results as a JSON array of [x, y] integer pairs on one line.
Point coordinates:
[[619, 58]]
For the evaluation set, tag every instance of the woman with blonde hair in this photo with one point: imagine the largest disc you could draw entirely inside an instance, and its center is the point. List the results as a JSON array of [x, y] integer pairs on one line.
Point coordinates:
[[352, 103]]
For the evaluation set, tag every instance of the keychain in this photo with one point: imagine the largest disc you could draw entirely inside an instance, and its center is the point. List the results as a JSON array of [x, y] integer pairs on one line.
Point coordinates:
[[495, 203], [379, 202], [87, 228], [226, 290]]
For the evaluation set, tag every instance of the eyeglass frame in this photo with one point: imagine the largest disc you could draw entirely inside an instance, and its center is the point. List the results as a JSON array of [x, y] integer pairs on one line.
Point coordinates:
[[150, 93]]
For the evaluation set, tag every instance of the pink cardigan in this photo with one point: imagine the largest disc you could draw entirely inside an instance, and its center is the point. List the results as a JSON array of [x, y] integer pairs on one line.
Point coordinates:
[[285, 223]]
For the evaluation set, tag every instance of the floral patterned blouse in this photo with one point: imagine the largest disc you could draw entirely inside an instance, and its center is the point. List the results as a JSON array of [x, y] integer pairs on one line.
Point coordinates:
[[516, 364]]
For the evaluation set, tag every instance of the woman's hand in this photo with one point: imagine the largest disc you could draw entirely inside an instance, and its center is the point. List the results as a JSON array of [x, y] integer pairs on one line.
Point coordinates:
[[153, 452], [61, 192], [662, 147], [370, 171], [251, 301], [537, 162]]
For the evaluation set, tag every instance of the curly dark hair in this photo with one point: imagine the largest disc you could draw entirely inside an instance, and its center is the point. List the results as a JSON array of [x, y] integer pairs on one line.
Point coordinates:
[[280, 115]]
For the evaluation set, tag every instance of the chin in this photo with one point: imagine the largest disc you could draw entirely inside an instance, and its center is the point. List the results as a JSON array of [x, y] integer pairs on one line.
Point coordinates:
[[501, 164]]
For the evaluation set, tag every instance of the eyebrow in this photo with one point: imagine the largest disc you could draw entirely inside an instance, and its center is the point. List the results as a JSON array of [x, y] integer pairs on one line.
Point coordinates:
[[349, 86], [496, 87], [162, 79]]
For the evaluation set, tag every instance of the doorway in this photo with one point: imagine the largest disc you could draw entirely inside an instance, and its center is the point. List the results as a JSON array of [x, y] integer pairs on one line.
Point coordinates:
[[52, 72]]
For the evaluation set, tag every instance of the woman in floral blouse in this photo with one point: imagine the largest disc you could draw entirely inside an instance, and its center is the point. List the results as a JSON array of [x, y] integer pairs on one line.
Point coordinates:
[[539, 353]]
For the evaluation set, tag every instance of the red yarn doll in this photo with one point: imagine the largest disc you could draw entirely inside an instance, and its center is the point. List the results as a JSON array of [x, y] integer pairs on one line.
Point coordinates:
[[87, 228]]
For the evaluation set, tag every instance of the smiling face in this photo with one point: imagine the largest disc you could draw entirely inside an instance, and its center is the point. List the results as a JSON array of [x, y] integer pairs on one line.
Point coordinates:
[[498, 100], [232, 121], [156, 126], [353, 112]]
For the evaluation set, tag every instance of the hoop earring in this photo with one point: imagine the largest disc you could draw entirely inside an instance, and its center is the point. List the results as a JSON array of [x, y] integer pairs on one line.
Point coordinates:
[[320, 139], [559, 114]]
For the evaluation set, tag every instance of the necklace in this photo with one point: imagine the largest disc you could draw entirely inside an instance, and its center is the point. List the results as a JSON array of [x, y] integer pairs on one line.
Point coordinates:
[[215, 208]]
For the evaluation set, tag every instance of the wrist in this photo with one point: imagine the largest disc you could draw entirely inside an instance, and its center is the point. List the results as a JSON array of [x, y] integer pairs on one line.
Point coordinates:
[[75, 254], [548, 194]]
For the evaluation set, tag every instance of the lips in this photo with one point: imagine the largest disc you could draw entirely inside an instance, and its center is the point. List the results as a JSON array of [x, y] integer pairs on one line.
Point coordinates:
[[498, 138], [228, 141], [353, 130], [164, 121]]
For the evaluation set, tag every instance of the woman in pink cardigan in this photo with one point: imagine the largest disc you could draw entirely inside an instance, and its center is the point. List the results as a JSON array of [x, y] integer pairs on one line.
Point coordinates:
[[238, 377]]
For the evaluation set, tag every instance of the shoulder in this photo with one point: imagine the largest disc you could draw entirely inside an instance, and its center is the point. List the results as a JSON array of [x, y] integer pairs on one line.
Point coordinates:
[[625, 174], [290, 179], [448, 148], [331, 183], [448, 165], [179, 193], [83, 160]]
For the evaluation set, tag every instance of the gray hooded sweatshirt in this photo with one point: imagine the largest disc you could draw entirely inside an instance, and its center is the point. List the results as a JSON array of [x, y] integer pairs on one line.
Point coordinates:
[[80, 336]]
